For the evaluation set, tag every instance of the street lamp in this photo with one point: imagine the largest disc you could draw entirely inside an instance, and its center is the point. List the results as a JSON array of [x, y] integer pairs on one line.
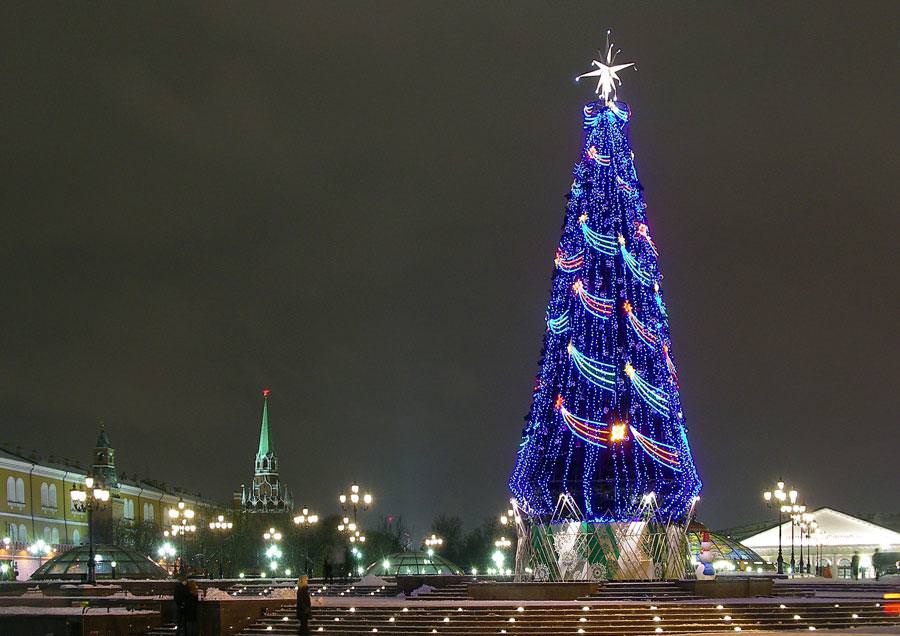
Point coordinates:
[[777, 498], [433, 542], [502, 543], [796, 511], [88, 500], [273, 552], [181, 518], [352, 530], [352, 502], [819, 536], [221, 528], [167, 551], [508, 517], [304, 520], [807, 519]]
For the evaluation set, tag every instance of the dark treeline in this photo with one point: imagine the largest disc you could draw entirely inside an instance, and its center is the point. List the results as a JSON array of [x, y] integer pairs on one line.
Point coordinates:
[[243, 549]]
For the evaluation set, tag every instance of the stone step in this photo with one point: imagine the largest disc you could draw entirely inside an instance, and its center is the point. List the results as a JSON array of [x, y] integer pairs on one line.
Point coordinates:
[[632, 620]]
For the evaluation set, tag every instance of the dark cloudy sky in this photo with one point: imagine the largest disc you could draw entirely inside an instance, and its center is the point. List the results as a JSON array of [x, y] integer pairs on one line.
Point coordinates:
[[357, 204]]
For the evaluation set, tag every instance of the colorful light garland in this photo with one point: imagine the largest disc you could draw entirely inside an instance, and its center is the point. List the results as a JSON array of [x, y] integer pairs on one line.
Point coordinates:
[[594, 154], [560, 324], [642, 331], [644, 232], [596, 433], [659, 301], [665, 454], [670, 364], [598, 373], [633, 264], [655, 397], [623, 185], [600, 307], [569, 264], [600, 242]]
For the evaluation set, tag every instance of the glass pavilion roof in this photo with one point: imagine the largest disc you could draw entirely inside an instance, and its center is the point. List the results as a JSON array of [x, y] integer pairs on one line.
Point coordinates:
[[72, 564], [725, 549], [405, 563]]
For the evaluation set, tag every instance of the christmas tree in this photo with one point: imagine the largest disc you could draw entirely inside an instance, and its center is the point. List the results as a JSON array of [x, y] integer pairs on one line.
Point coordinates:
[[606, 424]]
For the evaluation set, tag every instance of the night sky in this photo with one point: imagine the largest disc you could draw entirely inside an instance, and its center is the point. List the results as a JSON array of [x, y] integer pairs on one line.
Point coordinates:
[[357, 205]]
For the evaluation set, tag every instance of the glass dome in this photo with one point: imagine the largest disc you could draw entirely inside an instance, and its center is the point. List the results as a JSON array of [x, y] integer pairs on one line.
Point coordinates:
[[405, 563], [72, 564], [726, 550]]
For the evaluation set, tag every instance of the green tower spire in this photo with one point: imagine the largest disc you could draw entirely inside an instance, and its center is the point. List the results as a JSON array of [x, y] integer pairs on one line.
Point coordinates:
[[264, 447]]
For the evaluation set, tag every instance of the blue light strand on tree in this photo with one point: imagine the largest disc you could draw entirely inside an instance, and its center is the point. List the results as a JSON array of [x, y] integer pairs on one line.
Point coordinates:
[[605, 423]]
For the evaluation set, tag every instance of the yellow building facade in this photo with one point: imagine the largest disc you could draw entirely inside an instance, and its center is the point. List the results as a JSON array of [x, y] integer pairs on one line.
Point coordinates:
[[36, 504]]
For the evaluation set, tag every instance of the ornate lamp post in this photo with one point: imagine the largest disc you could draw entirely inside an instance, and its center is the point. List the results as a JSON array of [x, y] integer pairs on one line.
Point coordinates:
[[807, 525], [353, 532], [777, 498], [432, 543], [221, 528], [819, 535], [353, 503], [273, 552], [304, 521], [88, 500], [181, 518], [795, 510], [167, 551]]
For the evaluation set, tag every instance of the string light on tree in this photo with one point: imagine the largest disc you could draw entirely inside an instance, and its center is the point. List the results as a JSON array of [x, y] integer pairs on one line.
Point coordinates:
[[606, 422]]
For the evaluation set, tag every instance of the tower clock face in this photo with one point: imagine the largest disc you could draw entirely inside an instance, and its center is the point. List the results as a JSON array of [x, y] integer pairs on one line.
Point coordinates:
[[99, 458]]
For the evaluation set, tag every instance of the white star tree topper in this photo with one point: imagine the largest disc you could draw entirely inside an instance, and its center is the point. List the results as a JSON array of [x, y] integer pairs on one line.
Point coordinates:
[[607, 72]]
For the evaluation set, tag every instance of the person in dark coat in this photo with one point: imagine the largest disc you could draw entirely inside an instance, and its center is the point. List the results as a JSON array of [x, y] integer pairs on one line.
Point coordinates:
[[191, 608], [304, 605], [180, 596], [854, 565]]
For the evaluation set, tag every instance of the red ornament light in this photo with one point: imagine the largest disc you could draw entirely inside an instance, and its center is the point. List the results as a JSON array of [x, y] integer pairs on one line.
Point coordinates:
[[266, 393]]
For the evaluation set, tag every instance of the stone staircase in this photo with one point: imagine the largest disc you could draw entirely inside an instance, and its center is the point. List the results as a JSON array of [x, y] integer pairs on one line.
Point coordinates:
[[453, 592], [252, 589], [836, 588], [660, 591], [590, 618]]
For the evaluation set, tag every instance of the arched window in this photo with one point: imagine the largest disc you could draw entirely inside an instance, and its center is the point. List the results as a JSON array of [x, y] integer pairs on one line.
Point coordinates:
[[129, 509], [47, 535], [76, 537], [844, 569], [51, 496], [20, 491], [45, 497], [10, 490], [23, 533], [13, 532], [54, 536]]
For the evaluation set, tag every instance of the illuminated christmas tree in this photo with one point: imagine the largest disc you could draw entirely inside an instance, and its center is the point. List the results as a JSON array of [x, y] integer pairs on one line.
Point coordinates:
[[606, 424]]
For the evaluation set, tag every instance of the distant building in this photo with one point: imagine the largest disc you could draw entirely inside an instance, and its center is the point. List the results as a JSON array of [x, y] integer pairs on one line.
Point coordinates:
[[267, 493], [841, 537], [38, 502]]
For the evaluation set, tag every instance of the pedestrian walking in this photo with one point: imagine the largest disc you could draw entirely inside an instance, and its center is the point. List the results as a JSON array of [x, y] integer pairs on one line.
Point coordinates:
[[304, 606]]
